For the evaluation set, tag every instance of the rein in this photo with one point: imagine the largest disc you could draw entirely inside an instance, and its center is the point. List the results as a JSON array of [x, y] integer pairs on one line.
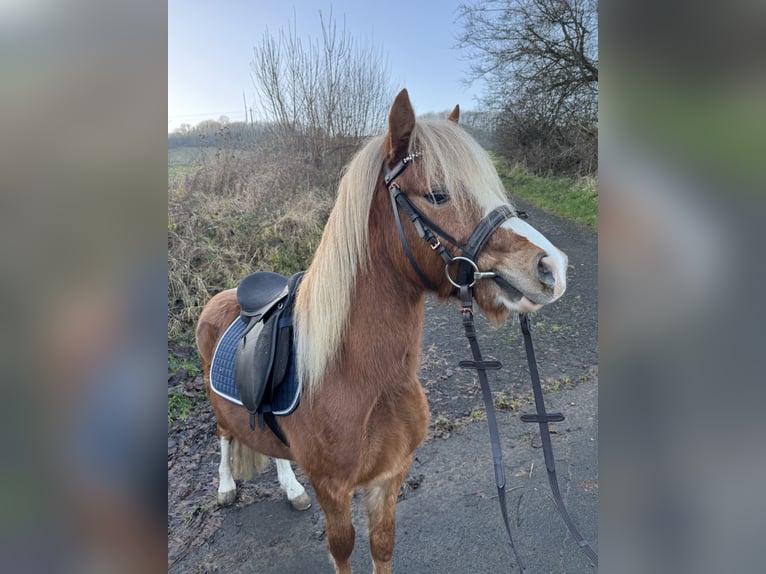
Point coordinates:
[[468, 275]]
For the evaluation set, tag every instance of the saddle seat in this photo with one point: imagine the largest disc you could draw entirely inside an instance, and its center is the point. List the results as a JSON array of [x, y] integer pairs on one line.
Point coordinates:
[[259, 290]]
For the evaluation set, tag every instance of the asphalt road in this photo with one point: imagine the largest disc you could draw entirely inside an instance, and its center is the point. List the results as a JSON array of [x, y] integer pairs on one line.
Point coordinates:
[[451, 523]]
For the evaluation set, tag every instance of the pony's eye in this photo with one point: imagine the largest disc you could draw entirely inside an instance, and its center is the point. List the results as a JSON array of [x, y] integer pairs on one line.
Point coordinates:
[[437, 197]]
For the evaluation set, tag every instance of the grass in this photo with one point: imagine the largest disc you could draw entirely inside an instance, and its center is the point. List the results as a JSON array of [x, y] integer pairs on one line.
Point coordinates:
[[505, 403], [232, 215], [476, 415], [176, 363], [575, 200], [443, 424], [555, 385], [176, 171], [190, 155], [179, 406]]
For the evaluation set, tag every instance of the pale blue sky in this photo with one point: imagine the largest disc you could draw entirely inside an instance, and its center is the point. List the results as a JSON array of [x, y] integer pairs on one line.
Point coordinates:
[[210, 47]]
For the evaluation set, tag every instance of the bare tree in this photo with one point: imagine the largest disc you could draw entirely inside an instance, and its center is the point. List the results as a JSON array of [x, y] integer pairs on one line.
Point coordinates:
[[540, 61], [324, 90]]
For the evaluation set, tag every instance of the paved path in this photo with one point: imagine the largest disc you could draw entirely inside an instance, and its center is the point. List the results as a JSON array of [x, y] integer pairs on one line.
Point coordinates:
[[451, 523]]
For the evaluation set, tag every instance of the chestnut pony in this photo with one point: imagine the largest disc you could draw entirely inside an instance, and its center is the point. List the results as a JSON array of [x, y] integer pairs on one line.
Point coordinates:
[[358, 322]]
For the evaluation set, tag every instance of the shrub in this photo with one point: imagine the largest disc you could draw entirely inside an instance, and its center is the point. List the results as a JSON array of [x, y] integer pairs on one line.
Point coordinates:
[[243, 209]]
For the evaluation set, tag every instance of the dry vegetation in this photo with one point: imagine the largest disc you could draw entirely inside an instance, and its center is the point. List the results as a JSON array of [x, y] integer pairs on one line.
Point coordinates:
[[244, 209], [260, 203]]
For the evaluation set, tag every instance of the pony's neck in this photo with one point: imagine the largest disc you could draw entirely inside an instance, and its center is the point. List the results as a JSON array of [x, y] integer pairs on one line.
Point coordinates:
[[385, 322], [354, 310], [383, 340]]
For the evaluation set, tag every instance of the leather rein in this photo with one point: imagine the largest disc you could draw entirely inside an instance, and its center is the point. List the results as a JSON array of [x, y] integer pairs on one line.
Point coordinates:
[[467, 276]]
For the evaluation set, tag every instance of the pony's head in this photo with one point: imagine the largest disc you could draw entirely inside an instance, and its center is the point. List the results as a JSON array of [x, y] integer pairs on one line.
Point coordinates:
[[449, 180], [451, 184]]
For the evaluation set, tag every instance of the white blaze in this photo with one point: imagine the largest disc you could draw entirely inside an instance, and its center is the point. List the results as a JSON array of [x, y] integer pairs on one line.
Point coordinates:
[[556, 257]]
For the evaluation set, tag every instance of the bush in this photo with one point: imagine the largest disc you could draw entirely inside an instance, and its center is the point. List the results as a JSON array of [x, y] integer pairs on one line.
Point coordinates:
[[566, 147], [244, 209]]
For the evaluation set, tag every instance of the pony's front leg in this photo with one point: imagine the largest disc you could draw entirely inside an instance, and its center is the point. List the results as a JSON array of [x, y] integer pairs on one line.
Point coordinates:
[[336, 504], [227, 488], [380, 499], [294, 490]]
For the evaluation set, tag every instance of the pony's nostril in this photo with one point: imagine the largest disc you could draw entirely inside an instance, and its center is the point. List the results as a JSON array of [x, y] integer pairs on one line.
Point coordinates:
[[545, 271]]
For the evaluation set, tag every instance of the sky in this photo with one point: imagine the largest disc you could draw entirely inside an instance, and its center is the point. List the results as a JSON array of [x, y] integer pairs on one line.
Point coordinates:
[[210, 47]]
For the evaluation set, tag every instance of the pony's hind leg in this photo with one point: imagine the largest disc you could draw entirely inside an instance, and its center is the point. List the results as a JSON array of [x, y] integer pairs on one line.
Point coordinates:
[[238, 461], [227, 488], [294, 490], [380, 499]]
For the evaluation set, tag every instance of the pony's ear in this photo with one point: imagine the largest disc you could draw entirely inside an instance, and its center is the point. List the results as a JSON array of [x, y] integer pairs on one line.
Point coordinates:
[[401, 122], [455, 115]]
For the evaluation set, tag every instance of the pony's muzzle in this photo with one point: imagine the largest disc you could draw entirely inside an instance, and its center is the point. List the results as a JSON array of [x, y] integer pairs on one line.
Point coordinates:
[[551, 272]]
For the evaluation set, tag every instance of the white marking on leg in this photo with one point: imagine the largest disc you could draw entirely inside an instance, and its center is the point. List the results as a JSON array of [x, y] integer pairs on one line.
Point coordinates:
[[226, 482], [287, 479]]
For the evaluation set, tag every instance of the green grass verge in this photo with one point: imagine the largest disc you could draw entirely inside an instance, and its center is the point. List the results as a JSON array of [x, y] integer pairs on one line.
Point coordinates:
[[179, 406], [575, 200]]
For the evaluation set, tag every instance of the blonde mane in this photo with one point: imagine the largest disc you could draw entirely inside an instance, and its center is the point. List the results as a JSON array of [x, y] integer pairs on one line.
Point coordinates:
[[448, 157]]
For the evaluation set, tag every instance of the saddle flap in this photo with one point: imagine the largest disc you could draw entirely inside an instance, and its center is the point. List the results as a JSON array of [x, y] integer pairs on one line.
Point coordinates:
[[281, 358], [255, 359], [264, 352]]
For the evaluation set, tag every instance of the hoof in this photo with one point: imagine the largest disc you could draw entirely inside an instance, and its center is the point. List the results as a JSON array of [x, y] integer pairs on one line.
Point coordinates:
[[227, 498], [303, 502]]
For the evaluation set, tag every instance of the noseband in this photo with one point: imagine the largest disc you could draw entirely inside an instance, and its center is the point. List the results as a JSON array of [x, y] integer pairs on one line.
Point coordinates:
[[468, 271]]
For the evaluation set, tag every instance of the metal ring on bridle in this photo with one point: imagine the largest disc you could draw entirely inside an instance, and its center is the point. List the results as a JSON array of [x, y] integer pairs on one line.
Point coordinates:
[[459, 258]]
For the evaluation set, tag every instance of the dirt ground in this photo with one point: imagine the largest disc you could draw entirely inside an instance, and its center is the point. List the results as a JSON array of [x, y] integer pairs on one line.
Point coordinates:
[[565, 338]]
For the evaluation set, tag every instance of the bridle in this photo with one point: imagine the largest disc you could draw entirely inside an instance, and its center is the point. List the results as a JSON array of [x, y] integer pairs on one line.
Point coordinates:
[[468, 271], [467, 275]]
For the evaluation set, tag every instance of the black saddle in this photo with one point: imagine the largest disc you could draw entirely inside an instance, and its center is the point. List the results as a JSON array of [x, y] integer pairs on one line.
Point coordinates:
[[264, 352], [258, 291]]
